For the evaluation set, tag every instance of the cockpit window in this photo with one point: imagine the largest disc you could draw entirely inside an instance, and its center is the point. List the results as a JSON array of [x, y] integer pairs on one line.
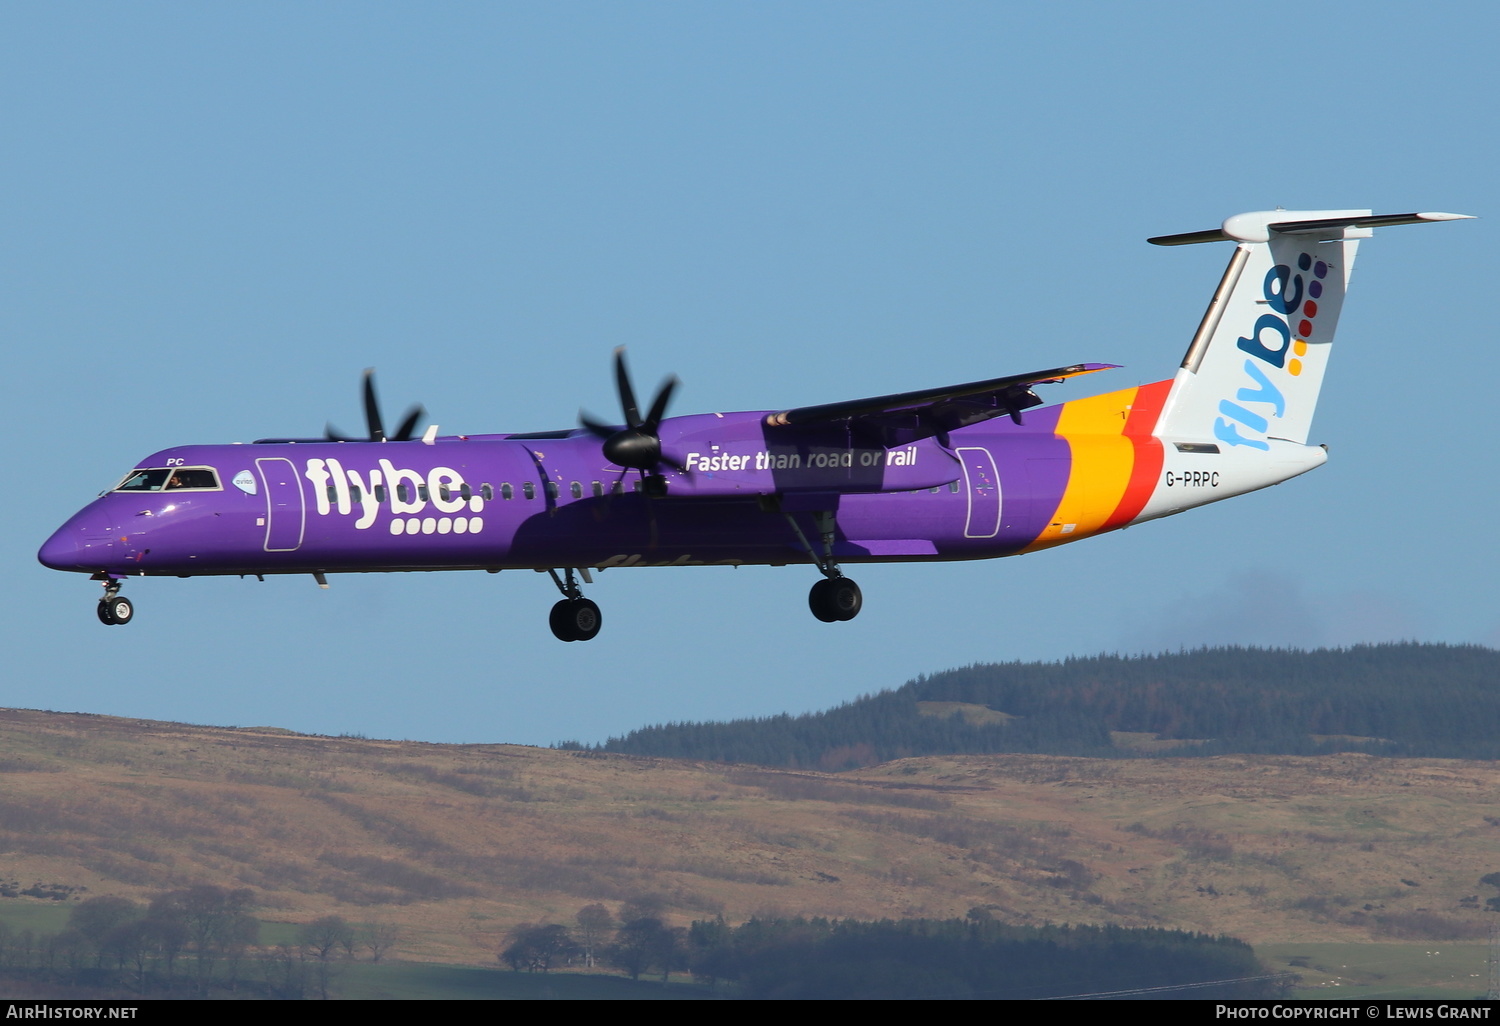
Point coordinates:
[[192, 477], [144, 481], [169, 479]]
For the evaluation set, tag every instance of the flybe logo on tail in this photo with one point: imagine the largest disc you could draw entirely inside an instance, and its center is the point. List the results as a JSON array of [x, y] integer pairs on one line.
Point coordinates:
[[1291, 295]]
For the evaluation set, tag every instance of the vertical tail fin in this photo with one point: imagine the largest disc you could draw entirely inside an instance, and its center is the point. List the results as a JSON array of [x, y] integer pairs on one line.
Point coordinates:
[[1256, 364]]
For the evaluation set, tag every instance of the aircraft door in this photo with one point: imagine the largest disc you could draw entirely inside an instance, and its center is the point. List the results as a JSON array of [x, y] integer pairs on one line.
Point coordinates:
[[286, 514], [983, 488]]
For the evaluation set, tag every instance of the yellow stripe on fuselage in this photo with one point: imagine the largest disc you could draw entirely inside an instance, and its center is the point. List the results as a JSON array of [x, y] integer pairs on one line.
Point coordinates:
[[1102, 458]]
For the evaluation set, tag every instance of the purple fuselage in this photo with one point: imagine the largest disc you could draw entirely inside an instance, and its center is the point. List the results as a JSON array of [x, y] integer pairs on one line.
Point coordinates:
[[504, 501]]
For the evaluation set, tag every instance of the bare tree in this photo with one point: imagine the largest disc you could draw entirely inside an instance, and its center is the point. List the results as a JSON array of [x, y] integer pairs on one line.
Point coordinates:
[[536, 946], [594, 925], [218, 921], [648, 943], [98, 921], [322, 936], [380, 938]]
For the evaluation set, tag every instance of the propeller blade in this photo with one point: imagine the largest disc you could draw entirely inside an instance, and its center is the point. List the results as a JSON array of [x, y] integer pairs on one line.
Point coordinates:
[[597, 429], [409, 424], [627, 394], [372, 408], [373, 422], [637, 445], [659, 404]]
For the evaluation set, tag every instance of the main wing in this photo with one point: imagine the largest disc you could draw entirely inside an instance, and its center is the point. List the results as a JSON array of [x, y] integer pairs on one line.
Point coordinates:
[[907, 416]]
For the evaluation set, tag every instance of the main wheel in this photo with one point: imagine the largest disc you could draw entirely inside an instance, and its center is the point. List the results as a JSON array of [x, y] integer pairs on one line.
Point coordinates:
[[585, 620], [844, 599], [835, 600], [575, 620], [558, 620], [117, 610], [817, 601]]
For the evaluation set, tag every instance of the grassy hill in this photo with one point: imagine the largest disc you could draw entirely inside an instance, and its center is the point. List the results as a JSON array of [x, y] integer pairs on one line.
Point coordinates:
[[455, 844]]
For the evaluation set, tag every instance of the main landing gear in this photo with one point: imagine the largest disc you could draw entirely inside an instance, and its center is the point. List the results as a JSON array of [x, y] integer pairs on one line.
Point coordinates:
[[115, 609], [835, 597], [575, 618]]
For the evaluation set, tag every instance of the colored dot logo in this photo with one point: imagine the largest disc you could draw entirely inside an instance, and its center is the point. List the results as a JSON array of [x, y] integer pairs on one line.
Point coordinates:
[[1309, 310]]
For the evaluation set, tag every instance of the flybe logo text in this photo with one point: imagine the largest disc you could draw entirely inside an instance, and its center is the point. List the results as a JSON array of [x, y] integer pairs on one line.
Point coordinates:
[[1291, 295], [409, 492]]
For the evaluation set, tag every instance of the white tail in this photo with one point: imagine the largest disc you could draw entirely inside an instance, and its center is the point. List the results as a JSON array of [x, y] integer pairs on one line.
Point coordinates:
[[1256, 364]]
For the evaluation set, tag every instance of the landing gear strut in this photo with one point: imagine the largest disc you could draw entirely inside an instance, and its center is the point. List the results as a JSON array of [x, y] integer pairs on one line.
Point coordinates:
[[575, 618], [115, 609], [836, 597]]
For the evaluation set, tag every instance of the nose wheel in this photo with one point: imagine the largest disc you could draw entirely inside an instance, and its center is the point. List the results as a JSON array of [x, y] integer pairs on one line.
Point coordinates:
[[115, 610]]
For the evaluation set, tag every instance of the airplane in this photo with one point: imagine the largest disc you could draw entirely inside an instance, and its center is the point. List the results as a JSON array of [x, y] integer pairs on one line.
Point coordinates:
[[971, 471]]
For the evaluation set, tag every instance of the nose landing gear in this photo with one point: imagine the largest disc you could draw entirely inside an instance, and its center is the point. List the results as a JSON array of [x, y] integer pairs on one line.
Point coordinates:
[[575, 618], [115, 610]]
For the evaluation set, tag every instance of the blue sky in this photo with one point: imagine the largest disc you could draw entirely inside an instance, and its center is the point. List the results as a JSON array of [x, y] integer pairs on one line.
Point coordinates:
[[215, 215]]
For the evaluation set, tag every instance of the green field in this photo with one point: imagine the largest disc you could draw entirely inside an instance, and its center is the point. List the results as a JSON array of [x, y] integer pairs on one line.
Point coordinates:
[[1432, 969], [1428, 969], [425, 982], [40, 917]]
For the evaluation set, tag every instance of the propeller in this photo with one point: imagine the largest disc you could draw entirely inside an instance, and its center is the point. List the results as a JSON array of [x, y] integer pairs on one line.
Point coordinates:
[[376, 427], [637, 445]]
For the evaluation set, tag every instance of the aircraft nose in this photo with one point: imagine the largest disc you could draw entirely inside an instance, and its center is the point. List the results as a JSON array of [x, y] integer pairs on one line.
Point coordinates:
[[74, 547]]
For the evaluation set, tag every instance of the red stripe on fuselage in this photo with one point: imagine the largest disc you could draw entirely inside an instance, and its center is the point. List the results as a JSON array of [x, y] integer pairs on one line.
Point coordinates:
[[1139, 428]]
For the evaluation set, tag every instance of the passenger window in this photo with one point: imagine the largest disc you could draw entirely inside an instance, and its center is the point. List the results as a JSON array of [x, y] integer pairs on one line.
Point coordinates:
[[528, 489], [403, 492], [355, 493], [333, 494], [953, 486], [618, 487], [464, 492], [506, 491], [551, 489], [598, 489], [576, 489], [445, 493], [422, 492], [380, 493], [489, 493]]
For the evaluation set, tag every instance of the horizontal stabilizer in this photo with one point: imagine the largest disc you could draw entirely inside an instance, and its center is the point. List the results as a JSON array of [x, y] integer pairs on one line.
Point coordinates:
[[1257, 227]]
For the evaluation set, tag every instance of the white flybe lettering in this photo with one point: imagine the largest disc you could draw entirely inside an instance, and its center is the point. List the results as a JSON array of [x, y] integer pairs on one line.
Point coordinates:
[[718, 461], [762, 460], [408, 492]]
